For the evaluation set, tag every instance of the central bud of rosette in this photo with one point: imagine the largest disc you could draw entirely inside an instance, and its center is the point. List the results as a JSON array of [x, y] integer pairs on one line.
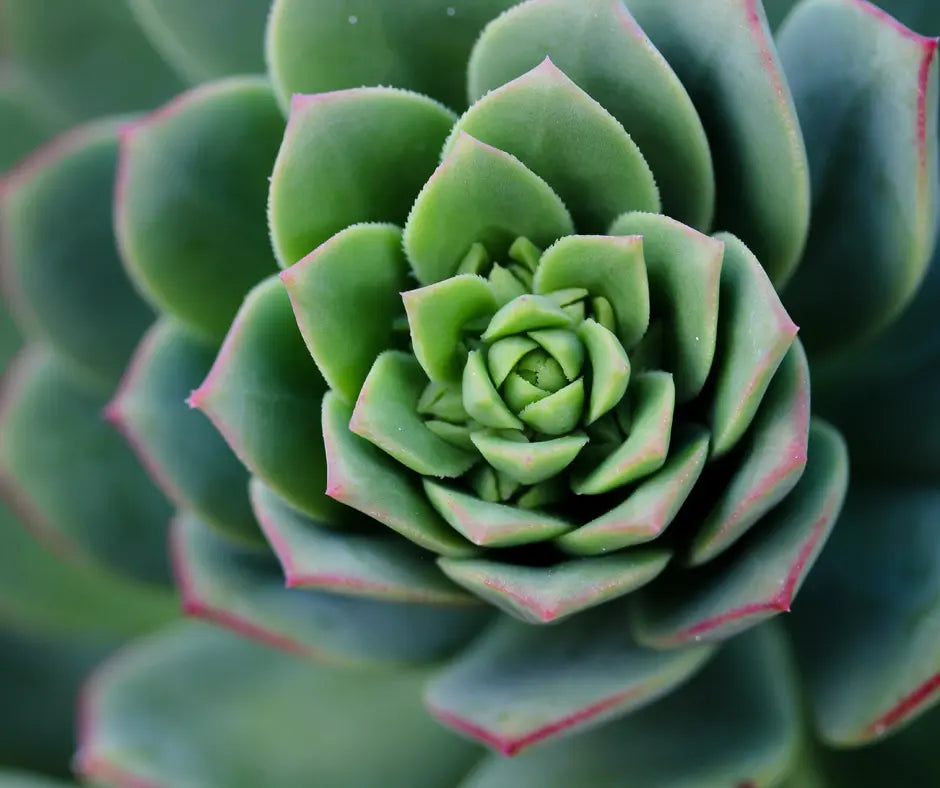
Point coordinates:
[[542, 369]]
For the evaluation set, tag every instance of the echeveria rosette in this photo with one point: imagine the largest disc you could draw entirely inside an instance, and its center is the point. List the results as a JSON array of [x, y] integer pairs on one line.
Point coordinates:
[[548, 386], [398, 265]]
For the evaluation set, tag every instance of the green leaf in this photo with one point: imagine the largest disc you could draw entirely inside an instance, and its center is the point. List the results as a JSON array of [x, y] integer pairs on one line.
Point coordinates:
[[526, 313], [386, 415], [236, 699], [190, 36], [40, 592], [178, 446], [560, 133], [761, 576], [263, 394], [610, 368], [88, 59], [491, 524], [595, 43], [558, 413], [437, 315], [519, 684], [40, 683], [481, 399], [608, 267], [868, 627], [529, 463], [650, 507], [563, 346], [190, 197], [645, 450], [370, 565], [770, 464], [244, 590], [735, 723], [543, 595], [27, 117], [503, 355], [334, 168], [77, 482], [742, 97], [18, 779], [63, 275], [345, 296], [906, 758], [368, 480], [479, 194], [333, 44], [871, 137], [684, 268], [754, 334]]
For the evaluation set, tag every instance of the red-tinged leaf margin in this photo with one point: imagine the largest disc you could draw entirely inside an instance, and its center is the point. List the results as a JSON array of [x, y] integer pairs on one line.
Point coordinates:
[[929, 45], [782, 600], [907, 707], [510, 746], [193, 605], [113, 413], [87, 763]]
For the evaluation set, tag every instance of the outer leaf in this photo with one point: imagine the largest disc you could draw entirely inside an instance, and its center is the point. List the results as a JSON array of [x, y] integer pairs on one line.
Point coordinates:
[[542, 595], [74, 478], [244, 590], [237, 699], [40, 678], [869, 132], [364, 478], [263, 394], [369, 565], [907, 758], [596, 42], [519, 684], [724, 54], [581, 151], [683, 268], [187, 35], [87, 58], [754, 334], [735, 723], [28, 118], [18, 779], [40, 592], [334, 167], [896, 375], [875, 598], [763, 575], [190, 196], [770, 464], [63, 275], [332, 44], [479, 194], [345, 296], [183, 453]]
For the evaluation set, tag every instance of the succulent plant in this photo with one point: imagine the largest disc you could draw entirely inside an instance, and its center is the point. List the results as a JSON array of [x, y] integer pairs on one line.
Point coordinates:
[[523, 431]]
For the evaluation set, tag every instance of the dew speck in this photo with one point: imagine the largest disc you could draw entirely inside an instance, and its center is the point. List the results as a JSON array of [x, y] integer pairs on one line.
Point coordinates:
[[353, 19], [451, 11]]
